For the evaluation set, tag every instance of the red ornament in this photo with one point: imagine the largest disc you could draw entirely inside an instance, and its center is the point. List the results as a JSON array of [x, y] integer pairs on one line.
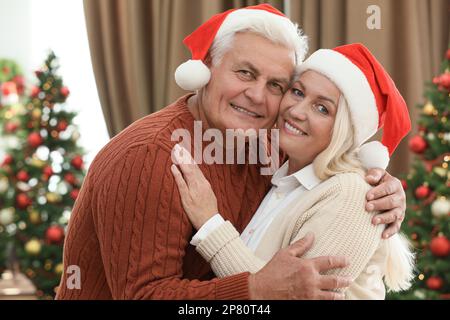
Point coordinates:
[[417, 144], [11, 127], [70, 178], [65, 91], [38, 73], [434, 283], [74, 194], [34, 91], [23, 201], [440, 246], [20, 82], [422, 192], [22, 175], [6, 70], [62, 125], [404, 184], [54, 235], [8, 159], [77, 162], [35, 139], [48, 171]]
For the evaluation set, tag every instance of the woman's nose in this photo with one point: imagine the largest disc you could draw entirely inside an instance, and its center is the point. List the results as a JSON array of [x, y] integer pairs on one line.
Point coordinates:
[[298, 111]]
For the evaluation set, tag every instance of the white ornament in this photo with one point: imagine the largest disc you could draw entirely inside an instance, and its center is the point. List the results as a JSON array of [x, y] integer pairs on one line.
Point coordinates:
[[430, 136], [447, 136], [6, 216], [440, 207]]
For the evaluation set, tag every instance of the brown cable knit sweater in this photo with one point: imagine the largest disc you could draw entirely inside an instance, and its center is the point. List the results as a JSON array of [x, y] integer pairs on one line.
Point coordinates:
[[128, 232]]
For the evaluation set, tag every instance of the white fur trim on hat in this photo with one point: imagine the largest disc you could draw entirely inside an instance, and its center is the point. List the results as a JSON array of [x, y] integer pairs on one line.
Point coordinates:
[[374, 155], [353, 84], [192, 75]]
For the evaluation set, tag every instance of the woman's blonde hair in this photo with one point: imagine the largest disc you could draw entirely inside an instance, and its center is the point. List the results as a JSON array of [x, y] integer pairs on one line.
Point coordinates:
[[341, 154]]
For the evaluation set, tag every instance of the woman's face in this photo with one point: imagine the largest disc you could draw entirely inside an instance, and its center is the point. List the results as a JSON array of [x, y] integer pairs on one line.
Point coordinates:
[[306, 119]]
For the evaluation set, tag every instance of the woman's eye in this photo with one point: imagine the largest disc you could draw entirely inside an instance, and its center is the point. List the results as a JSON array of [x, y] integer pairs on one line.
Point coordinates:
[[322, 109], [297, 92]]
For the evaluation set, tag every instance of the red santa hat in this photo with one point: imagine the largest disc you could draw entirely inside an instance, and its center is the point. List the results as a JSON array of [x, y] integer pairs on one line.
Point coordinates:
[[194, 74], [371, 95]]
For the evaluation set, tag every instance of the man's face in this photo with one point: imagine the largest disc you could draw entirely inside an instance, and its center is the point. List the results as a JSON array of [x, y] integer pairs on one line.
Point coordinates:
[[247, 86]]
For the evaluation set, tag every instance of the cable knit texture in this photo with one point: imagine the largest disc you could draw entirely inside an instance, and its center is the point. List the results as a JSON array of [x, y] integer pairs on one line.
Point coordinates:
[[335, 212], [128, 233]]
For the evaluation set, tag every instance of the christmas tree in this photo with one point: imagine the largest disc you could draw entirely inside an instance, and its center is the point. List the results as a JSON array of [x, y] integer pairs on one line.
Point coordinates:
[[39, 179], [427, 187]]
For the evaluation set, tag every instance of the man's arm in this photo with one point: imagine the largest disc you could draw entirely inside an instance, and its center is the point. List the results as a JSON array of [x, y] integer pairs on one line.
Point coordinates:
[[387, 197], [143, 233]]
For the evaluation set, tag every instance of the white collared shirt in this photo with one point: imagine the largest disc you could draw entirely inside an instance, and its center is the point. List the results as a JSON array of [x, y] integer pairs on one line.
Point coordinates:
[[284, 190]]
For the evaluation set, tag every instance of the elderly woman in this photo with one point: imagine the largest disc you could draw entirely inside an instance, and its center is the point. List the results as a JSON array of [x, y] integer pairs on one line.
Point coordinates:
[[339, 100]]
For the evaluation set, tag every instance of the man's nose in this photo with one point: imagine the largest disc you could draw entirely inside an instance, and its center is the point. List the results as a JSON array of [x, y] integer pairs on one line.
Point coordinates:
[[256, 92]]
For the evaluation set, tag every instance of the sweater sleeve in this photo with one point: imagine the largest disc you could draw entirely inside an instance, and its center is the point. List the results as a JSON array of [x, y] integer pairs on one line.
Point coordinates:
[[143, 232], [226, 252], [343, 228]]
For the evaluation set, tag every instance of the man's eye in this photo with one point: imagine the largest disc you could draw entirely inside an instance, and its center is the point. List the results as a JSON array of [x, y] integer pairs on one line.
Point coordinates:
[[277, 87], [322, 109], [245, 73]]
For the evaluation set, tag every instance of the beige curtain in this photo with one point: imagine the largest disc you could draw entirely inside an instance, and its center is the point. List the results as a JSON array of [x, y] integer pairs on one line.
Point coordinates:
[[136, 46]]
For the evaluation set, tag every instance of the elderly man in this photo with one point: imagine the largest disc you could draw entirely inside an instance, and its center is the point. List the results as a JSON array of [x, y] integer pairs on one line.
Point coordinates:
[[128, 235]]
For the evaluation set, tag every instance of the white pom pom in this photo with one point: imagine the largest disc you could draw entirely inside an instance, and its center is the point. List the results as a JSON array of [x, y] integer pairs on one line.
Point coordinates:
[[374, 155], [192, 75]]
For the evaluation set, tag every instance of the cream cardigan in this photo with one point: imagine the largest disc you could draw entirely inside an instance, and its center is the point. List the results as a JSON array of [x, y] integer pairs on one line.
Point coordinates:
[[335, 212]]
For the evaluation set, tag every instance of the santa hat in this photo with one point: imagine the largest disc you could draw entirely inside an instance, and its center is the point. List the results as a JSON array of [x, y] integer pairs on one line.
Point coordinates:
[[194, 74], [371, 95]]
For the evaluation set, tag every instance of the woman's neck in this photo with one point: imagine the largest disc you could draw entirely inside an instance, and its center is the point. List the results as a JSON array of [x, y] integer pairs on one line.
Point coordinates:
[[295, 165]]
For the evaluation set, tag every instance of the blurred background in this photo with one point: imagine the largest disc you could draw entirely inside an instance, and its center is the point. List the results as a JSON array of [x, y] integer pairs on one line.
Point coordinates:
[[74, 73]]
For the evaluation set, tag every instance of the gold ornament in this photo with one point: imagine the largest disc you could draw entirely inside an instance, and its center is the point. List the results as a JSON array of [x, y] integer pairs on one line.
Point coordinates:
[[421, 277], [444, 119], [48, 265], [46, 86], [36, 113], [33, 247], [428, 109], [8, 115], [441, 172], [53, 197], [34, 217], [59, 268], [4, 184], [445, 165], [35, 162]]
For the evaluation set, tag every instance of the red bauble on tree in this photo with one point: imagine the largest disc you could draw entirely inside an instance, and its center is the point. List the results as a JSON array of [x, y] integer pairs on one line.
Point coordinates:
[[422, 192], [77, 162], [69, 178], [404, 184], [417, 144], [23, 201], [7, 160], [34, 91], [62, 125], [65, 91], [440, 246], [48, 171], [11, 127], [54, 235], [434, 283], [74, 194], [23, 176], [35, 139]]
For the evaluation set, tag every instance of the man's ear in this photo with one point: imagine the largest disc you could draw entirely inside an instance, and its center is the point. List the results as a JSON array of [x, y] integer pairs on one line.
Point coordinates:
[[208, 61]]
